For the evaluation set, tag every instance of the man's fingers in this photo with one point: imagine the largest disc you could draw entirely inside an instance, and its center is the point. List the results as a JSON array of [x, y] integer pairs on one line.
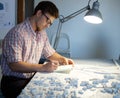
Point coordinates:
[[55, 63]]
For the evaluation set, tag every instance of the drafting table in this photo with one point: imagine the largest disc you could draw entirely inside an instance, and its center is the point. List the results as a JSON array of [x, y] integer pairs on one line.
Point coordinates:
[[87, 79]]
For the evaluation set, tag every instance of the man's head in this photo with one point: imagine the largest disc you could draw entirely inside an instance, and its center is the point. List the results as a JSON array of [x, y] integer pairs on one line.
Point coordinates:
[[44, 14], [47, 7]]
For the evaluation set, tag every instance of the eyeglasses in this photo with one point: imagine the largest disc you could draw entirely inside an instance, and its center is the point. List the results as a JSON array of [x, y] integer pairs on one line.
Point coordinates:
[[48, 19]]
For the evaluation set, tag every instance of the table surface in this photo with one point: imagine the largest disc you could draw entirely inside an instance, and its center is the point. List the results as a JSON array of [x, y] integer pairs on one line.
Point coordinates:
[[87, 79]]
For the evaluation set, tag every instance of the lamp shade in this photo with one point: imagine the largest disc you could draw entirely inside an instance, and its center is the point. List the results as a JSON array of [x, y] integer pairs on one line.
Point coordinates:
[[94, 15]]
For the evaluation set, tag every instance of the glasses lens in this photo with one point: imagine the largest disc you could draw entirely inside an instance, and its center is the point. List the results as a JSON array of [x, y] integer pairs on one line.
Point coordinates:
[[48, 19]]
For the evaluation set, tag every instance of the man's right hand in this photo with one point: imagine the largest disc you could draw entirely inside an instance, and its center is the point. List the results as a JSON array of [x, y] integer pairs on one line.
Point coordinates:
[[50, 66]]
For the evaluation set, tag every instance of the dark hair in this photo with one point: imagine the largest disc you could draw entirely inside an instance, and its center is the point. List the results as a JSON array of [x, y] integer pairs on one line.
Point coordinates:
[[47, 7]]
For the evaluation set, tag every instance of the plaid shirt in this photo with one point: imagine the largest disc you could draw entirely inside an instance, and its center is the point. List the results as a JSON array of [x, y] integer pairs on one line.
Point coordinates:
[[23, 44]]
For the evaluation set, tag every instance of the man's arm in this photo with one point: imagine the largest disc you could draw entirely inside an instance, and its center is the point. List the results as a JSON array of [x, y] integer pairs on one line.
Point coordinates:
[[61, 59], [28, 67]]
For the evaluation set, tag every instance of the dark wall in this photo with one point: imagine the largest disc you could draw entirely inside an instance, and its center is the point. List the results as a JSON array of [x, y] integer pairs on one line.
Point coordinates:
[[29, 7]]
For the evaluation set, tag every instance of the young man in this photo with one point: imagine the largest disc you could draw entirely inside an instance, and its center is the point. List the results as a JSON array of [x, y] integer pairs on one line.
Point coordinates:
[[23, 46]]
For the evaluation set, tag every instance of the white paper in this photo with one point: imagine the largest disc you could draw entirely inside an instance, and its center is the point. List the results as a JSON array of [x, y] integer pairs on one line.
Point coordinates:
[[64, 69]]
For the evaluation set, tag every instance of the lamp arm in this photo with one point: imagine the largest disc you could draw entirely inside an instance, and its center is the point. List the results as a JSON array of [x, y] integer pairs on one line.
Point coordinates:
[[57, 35], [64, 19]]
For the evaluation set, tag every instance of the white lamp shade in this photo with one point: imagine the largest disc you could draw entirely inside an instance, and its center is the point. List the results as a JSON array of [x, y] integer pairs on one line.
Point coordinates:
[[93, 16]]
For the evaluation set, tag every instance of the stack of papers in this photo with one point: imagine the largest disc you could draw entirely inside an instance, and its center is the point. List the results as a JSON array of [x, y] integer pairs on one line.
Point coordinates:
[[64, 69]]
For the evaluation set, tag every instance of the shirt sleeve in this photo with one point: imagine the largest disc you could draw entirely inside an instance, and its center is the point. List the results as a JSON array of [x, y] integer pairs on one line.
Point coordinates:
[[13, 47], [48, 50]]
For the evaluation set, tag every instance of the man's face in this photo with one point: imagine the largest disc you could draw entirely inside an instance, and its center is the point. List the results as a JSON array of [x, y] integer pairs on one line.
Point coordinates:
[[44, 21]]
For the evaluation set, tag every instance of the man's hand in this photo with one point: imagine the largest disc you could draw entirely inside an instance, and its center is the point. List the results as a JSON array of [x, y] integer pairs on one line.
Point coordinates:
[[66, 61], [50, 66]]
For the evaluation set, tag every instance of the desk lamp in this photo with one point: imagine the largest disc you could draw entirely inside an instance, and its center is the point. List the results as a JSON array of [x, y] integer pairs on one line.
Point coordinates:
[[92, 16]]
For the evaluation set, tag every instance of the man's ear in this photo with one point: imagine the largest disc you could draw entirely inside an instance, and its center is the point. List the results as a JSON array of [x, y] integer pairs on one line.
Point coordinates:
[[39, 13]]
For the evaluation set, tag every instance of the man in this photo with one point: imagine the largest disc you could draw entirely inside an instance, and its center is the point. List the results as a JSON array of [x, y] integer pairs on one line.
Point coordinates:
[[23, 46]]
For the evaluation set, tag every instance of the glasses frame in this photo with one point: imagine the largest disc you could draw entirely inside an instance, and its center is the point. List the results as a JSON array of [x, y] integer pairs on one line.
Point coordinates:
[[48, 19]]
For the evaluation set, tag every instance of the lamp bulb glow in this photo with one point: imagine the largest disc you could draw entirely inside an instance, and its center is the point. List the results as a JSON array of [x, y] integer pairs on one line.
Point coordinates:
[[93, 19]]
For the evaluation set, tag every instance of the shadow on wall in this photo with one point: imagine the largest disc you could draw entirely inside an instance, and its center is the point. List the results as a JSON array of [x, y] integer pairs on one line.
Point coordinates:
[[94, 47], [100, 50]]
